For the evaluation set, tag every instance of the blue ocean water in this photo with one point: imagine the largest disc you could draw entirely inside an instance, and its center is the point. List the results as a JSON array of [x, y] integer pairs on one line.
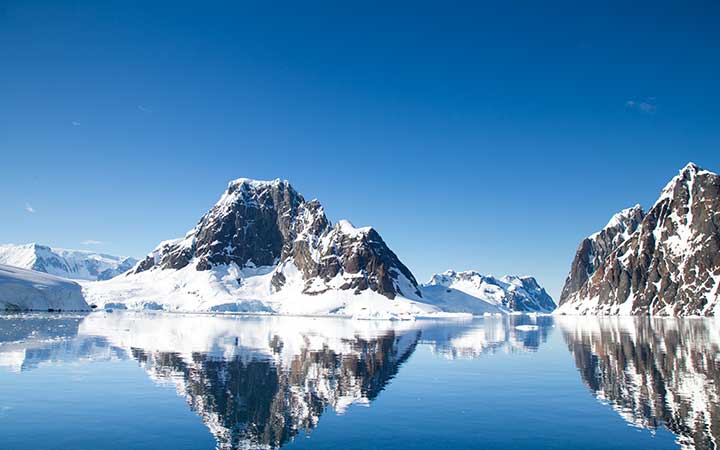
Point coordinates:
[[171, 381]]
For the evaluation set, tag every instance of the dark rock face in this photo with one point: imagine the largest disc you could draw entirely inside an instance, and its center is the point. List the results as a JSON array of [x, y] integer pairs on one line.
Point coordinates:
[[593, 250], [268, 223], [670, 265]]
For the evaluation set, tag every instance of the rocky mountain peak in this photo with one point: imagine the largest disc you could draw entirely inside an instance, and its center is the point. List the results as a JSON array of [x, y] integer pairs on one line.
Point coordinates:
[[268, 223], [670, 264]]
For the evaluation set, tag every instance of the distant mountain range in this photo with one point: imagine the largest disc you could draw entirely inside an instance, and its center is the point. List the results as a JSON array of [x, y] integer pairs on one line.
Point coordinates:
[[73, 264], [473, 292], [665, 262]]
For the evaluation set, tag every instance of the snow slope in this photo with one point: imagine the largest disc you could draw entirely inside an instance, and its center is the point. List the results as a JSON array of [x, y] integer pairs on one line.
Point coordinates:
[[73, 264], [22, 289], [228, 288]]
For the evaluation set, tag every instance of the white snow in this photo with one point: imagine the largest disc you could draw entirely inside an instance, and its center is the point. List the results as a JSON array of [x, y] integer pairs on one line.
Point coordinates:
[[455, 300], [472, 292], [22, 289], [228, 288], [351, 230]]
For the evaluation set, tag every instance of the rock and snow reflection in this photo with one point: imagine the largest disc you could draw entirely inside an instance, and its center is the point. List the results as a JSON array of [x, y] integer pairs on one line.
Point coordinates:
[[33, 340], [513, 333], [653, 372], [258, 381]]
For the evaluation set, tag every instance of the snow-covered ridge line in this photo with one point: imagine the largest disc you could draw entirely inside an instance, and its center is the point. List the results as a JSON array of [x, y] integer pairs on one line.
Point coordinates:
[[620, 221], [73, 264], [471, 291]]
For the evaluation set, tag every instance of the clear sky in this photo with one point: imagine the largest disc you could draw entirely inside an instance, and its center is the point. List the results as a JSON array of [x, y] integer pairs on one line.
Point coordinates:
[[490, 136]]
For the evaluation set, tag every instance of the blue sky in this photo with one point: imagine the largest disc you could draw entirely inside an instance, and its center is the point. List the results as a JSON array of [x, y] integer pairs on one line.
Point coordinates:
[[471, 135]]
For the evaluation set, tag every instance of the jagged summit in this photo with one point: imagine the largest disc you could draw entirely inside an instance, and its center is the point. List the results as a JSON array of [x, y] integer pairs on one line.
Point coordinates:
[[623, 218], [348, 228], [256, 183], [685, 176], [667, 263]]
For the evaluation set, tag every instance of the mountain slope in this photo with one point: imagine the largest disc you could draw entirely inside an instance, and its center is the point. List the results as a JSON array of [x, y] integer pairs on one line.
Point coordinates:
[[668, 266], [473, 292], [73, 264], [594, 249], [262, 247], [22, 289]]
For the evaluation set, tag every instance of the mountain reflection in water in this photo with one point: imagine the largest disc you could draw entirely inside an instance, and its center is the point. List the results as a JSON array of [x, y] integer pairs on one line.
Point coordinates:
[[653, 372], [261, 381], [256, 381]]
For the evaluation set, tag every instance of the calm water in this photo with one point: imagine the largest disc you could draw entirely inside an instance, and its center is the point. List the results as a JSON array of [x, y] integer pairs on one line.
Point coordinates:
[[143, 381]]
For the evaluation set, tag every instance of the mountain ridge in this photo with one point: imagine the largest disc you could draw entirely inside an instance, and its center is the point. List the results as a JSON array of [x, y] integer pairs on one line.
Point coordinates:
[[72, 264], [509, 293], [669, 265]]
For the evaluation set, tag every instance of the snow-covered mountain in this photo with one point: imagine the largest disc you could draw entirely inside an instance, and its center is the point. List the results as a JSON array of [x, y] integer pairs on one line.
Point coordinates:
[[263, 247], [73, 264], [665, 262], [22, 289], [472, 292]]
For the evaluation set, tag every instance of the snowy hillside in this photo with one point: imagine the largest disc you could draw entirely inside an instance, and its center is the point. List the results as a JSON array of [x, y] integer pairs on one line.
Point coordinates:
[[73, 264], [475, 293], [22, 289]]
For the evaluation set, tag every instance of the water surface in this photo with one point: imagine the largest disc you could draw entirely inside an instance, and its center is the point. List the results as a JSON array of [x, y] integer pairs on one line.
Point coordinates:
[[157, 381]]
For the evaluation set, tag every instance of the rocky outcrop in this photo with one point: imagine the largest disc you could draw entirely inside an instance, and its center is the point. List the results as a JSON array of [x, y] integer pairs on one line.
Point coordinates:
[[28, 290], [269, 224], [594, 249], [668, 264], [470, 291]]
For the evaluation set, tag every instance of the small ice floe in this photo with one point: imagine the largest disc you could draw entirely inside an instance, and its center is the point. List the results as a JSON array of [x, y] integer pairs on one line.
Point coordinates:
[[527, 327], [382, 315]]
